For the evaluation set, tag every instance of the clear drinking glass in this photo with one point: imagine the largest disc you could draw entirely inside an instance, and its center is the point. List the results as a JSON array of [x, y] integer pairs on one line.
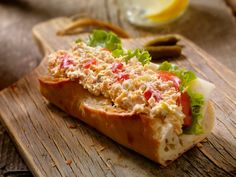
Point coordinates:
[[152, 12]]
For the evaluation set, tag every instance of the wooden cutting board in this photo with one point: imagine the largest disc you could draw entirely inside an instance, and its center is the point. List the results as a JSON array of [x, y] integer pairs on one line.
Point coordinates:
[[55, 144]]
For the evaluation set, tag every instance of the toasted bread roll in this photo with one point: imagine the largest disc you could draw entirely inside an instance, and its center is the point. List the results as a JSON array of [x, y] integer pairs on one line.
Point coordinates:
[[151, 137]]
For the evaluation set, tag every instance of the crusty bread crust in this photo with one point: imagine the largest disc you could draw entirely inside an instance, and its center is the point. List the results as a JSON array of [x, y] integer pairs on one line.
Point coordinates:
[[137, 132]]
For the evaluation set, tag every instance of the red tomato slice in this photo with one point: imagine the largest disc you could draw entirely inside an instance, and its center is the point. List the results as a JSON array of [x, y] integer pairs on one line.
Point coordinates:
[[89, 63], [149, 93], [116, 67], [166, 76], [122, 76], [186, 108]]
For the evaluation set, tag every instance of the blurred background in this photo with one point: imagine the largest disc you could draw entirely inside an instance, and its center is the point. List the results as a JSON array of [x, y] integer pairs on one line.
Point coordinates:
[[19, 54], [210, 24]]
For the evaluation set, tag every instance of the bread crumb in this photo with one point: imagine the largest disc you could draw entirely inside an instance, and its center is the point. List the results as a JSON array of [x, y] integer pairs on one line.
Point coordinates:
[[68, 162], [72, 126], [101, 149], [199, 145], [44, 155], [13, 87], [53, 164], [162, 167]]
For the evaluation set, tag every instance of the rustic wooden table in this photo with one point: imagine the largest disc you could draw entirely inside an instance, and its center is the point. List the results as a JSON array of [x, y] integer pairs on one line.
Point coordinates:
[[210, 24]]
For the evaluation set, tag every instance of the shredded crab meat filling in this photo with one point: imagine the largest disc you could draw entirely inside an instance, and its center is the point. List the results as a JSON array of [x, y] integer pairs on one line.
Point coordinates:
[[130, 86]]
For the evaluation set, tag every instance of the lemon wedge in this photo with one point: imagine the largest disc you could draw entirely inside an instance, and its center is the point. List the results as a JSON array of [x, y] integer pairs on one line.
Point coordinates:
[[167, 10]]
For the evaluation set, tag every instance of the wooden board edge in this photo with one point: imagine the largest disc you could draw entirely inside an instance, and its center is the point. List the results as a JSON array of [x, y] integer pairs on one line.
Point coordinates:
[[38, 38], [24, 154]]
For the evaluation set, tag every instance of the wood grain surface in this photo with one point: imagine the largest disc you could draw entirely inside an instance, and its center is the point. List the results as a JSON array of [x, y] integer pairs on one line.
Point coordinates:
[[54, 144], [210, 24], [11, 164]]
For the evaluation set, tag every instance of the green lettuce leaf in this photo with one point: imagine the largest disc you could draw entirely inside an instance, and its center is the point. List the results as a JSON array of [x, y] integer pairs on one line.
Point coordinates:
[[105, 39], [166, 66], [142, 56], [78, 40], [197, 102], [113, 43], [117, 53], [186, 77]]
